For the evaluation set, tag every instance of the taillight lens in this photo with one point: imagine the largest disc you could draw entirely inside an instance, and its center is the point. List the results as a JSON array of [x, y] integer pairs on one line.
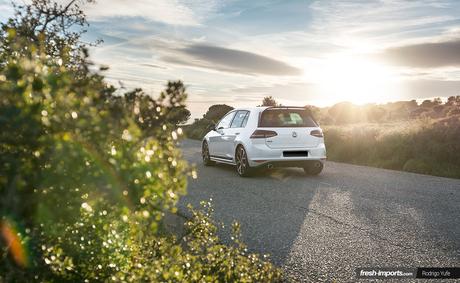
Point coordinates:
[[317, 133], [263, 134]]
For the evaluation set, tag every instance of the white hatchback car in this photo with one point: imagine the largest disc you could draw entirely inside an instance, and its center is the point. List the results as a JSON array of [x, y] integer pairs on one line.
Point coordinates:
[[266, 137]]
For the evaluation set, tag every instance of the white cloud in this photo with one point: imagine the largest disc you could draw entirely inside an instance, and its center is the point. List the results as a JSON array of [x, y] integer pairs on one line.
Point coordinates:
[[172, 12], [378, 24]]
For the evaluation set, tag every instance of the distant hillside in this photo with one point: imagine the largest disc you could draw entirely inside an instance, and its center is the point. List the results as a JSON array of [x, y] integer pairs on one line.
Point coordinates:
[[348, 113]]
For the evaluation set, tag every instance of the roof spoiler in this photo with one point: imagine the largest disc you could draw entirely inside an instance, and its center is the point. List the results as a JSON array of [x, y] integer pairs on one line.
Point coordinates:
[[290, 107], [286, 107]]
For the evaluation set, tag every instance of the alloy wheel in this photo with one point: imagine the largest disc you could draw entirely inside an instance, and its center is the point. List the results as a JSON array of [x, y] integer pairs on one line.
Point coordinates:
[[241, 161]]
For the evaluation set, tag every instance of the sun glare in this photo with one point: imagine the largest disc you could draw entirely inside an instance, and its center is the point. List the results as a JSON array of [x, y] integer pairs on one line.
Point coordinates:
[[355, 79]]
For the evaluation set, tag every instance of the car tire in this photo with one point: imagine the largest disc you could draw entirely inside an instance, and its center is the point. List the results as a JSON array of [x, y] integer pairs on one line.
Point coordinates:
[[313, 168], [242, 164], [205, 155]]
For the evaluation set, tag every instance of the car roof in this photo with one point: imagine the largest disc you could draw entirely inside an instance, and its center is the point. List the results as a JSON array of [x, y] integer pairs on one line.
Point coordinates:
[[262, 108], [252, 109]]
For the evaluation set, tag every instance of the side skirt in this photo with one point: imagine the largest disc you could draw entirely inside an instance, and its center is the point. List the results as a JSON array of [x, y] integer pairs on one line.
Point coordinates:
[[222, 160]]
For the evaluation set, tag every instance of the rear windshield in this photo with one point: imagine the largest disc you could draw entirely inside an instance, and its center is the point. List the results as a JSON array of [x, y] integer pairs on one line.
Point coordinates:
[[286, 118]]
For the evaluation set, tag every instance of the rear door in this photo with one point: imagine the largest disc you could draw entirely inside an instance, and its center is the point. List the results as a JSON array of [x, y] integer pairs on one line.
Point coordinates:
[[292, 125], [230, 134], [216, 143]]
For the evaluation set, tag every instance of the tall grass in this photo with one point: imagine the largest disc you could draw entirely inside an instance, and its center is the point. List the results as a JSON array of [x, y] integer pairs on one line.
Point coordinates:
[[423, 146]]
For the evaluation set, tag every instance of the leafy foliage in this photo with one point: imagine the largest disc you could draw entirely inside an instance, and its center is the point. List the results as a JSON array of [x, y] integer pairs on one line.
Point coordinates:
[[152, 116], [86, 175], [53, 27]]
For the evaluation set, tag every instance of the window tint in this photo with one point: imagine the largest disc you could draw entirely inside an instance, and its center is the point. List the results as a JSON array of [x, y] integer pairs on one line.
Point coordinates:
[[239, 119], [225, 122], [286, 118]]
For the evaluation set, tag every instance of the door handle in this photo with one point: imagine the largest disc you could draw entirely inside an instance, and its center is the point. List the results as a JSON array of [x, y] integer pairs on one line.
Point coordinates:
[[237, 134]]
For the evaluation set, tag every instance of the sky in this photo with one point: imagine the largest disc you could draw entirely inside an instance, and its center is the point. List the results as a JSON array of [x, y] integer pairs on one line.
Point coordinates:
[[300, 52]]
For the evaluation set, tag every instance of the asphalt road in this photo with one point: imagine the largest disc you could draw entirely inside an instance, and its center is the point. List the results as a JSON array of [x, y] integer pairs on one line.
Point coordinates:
[[321, 228]]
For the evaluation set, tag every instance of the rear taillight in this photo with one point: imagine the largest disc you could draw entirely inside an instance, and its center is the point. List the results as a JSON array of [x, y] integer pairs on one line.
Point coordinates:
[[263, 134], [317, 133]]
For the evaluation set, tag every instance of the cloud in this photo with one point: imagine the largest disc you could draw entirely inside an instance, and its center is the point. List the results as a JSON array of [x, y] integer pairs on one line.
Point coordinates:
[[371, 25], [229, 60], [430, 88], [171, 12], [152, 66], [425, 55], [287, 93]]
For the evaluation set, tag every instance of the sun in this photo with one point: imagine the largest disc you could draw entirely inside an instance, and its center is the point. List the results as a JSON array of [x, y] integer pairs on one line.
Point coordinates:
[[353, 78]]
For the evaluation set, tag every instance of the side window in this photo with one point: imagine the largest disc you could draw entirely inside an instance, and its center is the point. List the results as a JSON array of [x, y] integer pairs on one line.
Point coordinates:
[[225, 122], [245, 121], [239, 119]]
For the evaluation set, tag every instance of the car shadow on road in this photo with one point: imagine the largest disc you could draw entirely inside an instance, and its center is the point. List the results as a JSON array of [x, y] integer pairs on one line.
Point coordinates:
[[274, 173], [271, 205]]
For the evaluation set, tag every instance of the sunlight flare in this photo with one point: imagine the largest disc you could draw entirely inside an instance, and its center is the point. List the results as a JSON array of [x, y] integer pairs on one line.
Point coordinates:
[[354, 78]]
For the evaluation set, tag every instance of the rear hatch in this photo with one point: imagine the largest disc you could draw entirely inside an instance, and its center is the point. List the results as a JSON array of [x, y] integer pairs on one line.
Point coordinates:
[[292, 126], [292, 138]]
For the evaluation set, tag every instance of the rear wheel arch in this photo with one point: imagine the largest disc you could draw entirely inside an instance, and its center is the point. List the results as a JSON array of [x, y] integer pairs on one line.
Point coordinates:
[[235, 149], [247, 170], [204, 141], [205, 154]]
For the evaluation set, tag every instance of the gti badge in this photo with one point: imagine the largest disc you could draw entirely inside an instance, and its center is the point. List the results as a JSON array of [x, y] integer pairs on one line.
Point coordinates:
[[294, 134]]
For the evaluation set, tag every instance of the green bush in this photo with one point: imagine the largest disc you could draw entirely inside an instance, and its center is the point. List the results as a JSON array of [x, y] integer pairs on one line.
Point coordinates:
[[86, 177]]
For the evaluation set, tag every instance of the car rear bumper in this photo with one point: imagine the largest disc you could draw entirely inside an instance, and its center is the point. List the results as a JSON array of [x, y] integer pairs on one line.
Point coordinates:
[[261, 155]]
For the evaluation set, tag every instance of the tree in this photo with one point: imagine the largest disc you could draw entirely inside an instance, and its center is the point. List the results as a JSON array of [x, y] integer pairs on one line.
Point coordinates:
[[427, 103], [269, 101], [180, 115], [53, 28], [453, 100], [151, 115], [216, 112]]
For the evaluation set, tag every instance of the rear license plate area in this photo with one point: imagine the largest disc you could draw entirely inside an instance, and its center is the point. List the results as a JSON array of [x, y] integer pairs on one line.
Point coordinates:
[[295, 153]]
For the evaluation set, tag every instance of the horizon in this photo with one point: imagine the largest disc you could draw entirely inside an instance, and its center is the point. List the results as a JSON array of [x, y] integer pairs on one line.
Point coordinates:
[[300, 52]]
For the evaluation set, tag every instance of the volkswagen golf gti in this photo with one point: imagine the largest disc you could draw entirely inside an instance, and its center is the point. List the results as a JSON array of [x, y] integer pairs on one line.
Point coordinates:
[[266, 137]]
